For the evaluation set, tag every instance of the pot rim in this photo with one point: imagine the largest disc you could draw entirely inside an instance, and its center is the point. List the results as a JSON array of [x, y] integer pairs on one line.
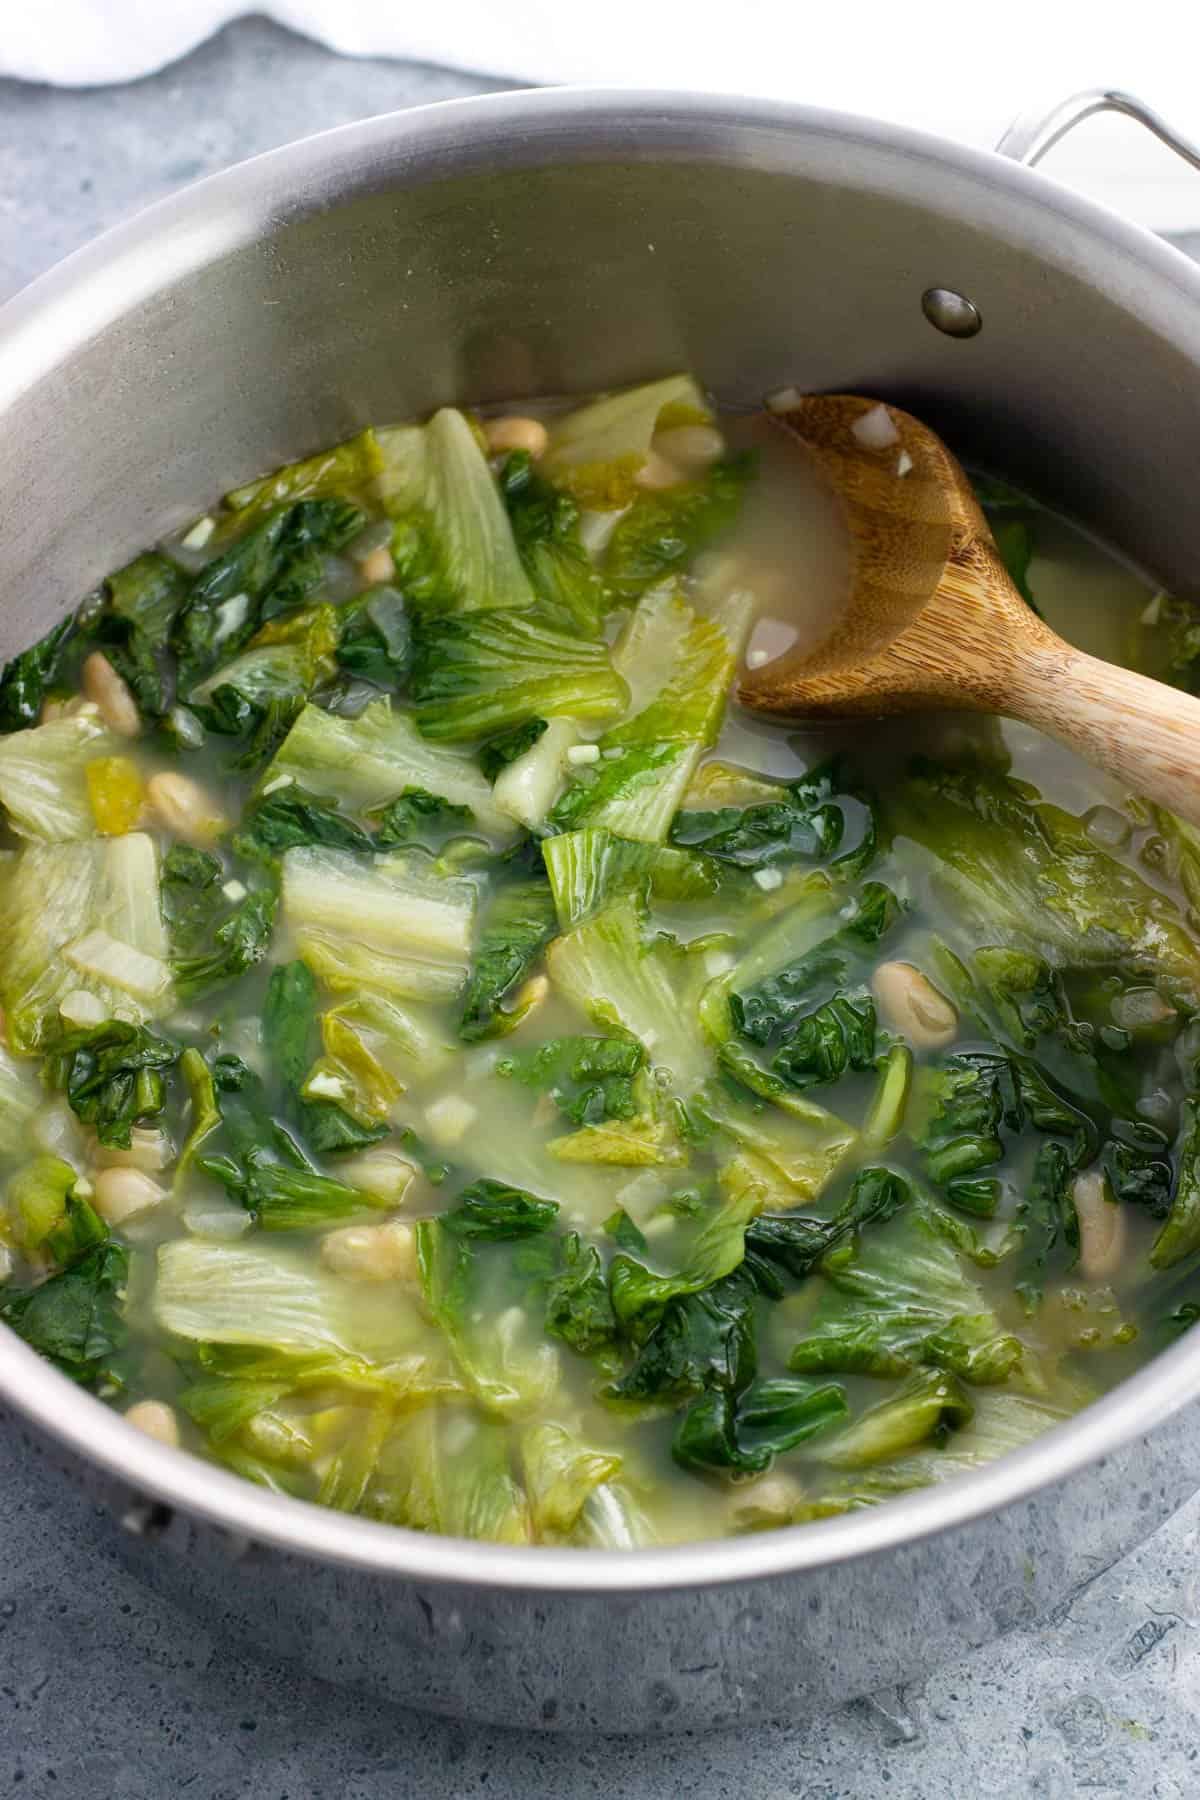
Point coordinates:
[[162, 243]]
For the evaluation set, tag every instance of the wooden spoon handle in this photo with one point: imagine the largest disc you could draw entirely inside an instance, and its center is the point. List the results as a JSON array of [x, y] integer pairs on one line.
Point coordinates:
[[1144, 733]]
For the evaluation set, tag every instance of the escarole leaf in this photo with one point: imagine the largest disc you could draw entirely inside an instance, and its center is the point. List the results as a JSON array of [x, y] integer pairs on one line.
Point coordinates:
[[678, 664], [823, 816], [597, 450], [494, 670], [75, 1318], [453, 544], [1028, 871], [348, 469], [43, 776], [368, 762], [663, 530], [589, 868], [81, 916], [378, 923], [131, 621], [274, 566], [545, 525], [518, 924], [113, 1076], [605, 968], [26, 678]]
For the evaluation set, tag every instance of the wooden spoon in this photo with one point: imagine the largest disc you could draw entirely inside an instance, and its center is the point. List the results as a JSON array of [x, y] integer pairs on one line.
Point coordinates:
[[934, 620]]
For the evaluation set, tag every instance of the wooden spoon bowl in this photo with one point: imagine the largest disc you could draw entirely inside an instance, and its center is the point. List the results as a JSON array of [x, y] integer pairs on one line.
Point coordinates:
[[933, 620]]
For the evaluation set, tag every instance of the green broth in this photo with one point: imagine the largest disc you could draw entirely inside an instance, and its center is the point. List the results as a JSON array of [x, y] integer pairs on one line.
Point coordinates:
[[617, 1207]]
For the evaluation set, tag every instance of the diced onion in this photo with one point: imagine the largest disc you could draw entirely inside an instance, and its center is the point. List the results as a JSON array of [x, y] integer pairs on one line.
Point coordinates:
[[200, 533], [875, 430], [784, 400]]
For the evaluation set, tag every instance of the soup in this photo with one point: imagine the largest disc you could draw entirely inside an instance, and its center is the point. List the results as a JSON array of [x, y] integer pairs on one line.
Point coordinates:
[[459, 1070]]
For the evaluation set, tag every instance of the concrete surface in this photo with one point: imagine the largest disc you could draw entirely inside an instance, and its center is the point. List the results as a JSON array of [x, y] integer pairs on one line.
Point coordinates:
[[107, 1694]]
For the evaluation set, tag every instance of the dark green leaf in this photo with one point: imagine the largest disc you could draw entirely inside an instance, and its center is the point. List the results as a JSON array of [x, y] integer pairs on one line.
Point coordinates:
[[375, 640], [492, 1211], [545, 527], [416, 813], [291, 816], [588, 1078], [26, 678], [74, 1318], [499, 751], [662, 531], [520, 921], [113, 1076]]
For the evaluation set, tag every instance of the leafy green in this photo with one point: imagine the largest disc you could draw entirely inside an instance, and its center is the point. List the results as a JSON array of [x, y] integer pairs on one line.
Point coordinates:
[[1180, 1235], [508, 746], [238, 943], [43, 776], [494, 1212], [416, 813], [589, 868], [290, 815], [375, 637], [113, 1075], [132, 626], [268, 569], [765, 1009], [74, 1319], [365, 762], [597, 450], [578, 1307], [744, 1434], [926, 1408], [487, 671], [1027, 871], [26, 678], [84, 916], [821, 1045], [823, 816], [289, 1027], [663, 530], [518, 924], [588, 1078], [347, 468], [452, 544], [678, 663], [545, 526]]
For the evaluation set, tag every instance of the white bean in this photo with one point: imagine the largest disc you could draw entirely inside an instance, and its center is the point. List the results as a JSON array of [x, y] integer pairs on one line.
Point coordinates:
[[912, 1005], [157, 1420], [1102, 1227], [372, 1252], [513, 432], [105, 688], [123, 1193], [656, 472], [384, 1174], [184, 807], [690, 447], [148, 1149], [378, 566]]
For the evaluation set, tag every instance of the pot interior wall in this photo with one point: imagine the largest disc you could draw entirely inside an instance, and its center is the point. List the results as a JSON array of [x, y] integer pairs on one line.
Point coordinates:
[[411, 288]]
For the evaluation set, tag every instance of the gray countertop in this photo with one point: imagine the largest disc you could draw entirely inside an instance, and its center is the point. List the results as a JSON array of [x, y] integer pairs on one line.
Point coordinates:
[[108, 1694]]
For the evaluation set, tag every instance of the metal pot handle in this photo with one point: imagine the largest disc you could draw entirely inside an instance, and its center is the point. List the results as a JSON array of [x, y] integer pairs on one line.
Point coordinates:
[[1033, 133]]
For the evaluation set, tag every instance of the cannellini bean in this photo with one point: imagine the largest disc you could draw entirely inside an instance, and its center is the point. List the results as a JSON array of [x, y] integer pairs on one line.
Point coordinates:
[[912, 1005], [772, 1498], [378, 566], [372, 1252], [513, 432], [1102, 1227], [105, 688], [384, 1174], [157, 1420], [448, 1120], [148, 1149], [184, 807], [656, 472], [121, 1194], [690, 447]]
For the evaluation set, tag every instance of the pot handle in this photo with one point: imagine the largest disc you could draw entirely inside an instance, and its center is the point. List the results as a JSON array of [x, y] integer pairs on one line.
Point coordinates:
[[1033, 133]]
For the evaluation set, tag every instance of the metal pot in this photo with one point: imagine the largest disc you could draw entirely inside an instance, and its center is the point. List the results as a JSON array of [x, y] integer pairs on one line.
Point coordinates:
[[532, 243]]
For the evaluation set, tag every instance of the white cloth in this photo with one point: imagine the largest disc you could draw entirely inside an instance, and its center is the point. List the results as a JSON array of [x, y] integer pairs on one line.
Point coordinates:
[[963, 70]]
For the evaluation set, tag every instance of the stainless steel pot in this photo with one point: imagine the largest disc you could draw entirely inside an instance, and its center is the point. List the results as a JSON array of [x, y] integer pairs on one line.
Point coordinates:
[[531, 243]]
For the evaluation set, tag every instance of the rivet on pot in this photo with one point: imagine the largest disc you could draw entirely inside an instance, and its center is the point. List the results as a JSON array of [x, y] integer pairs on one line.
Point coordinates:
[[951, 312]]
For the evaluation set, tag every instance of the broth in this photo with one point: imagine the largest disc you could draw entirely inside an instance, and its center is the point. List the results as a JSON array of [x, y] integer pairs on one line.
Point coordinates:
[[536, 1130]]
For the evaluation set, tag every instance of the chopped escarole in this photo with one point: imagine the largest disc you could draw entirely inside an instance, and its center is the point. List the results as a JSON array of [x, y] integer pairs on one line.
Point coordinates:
[[43, 776], [366, 762], [379, 923], [452, 543], [597, 451], [84, 916], [678, 662]]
